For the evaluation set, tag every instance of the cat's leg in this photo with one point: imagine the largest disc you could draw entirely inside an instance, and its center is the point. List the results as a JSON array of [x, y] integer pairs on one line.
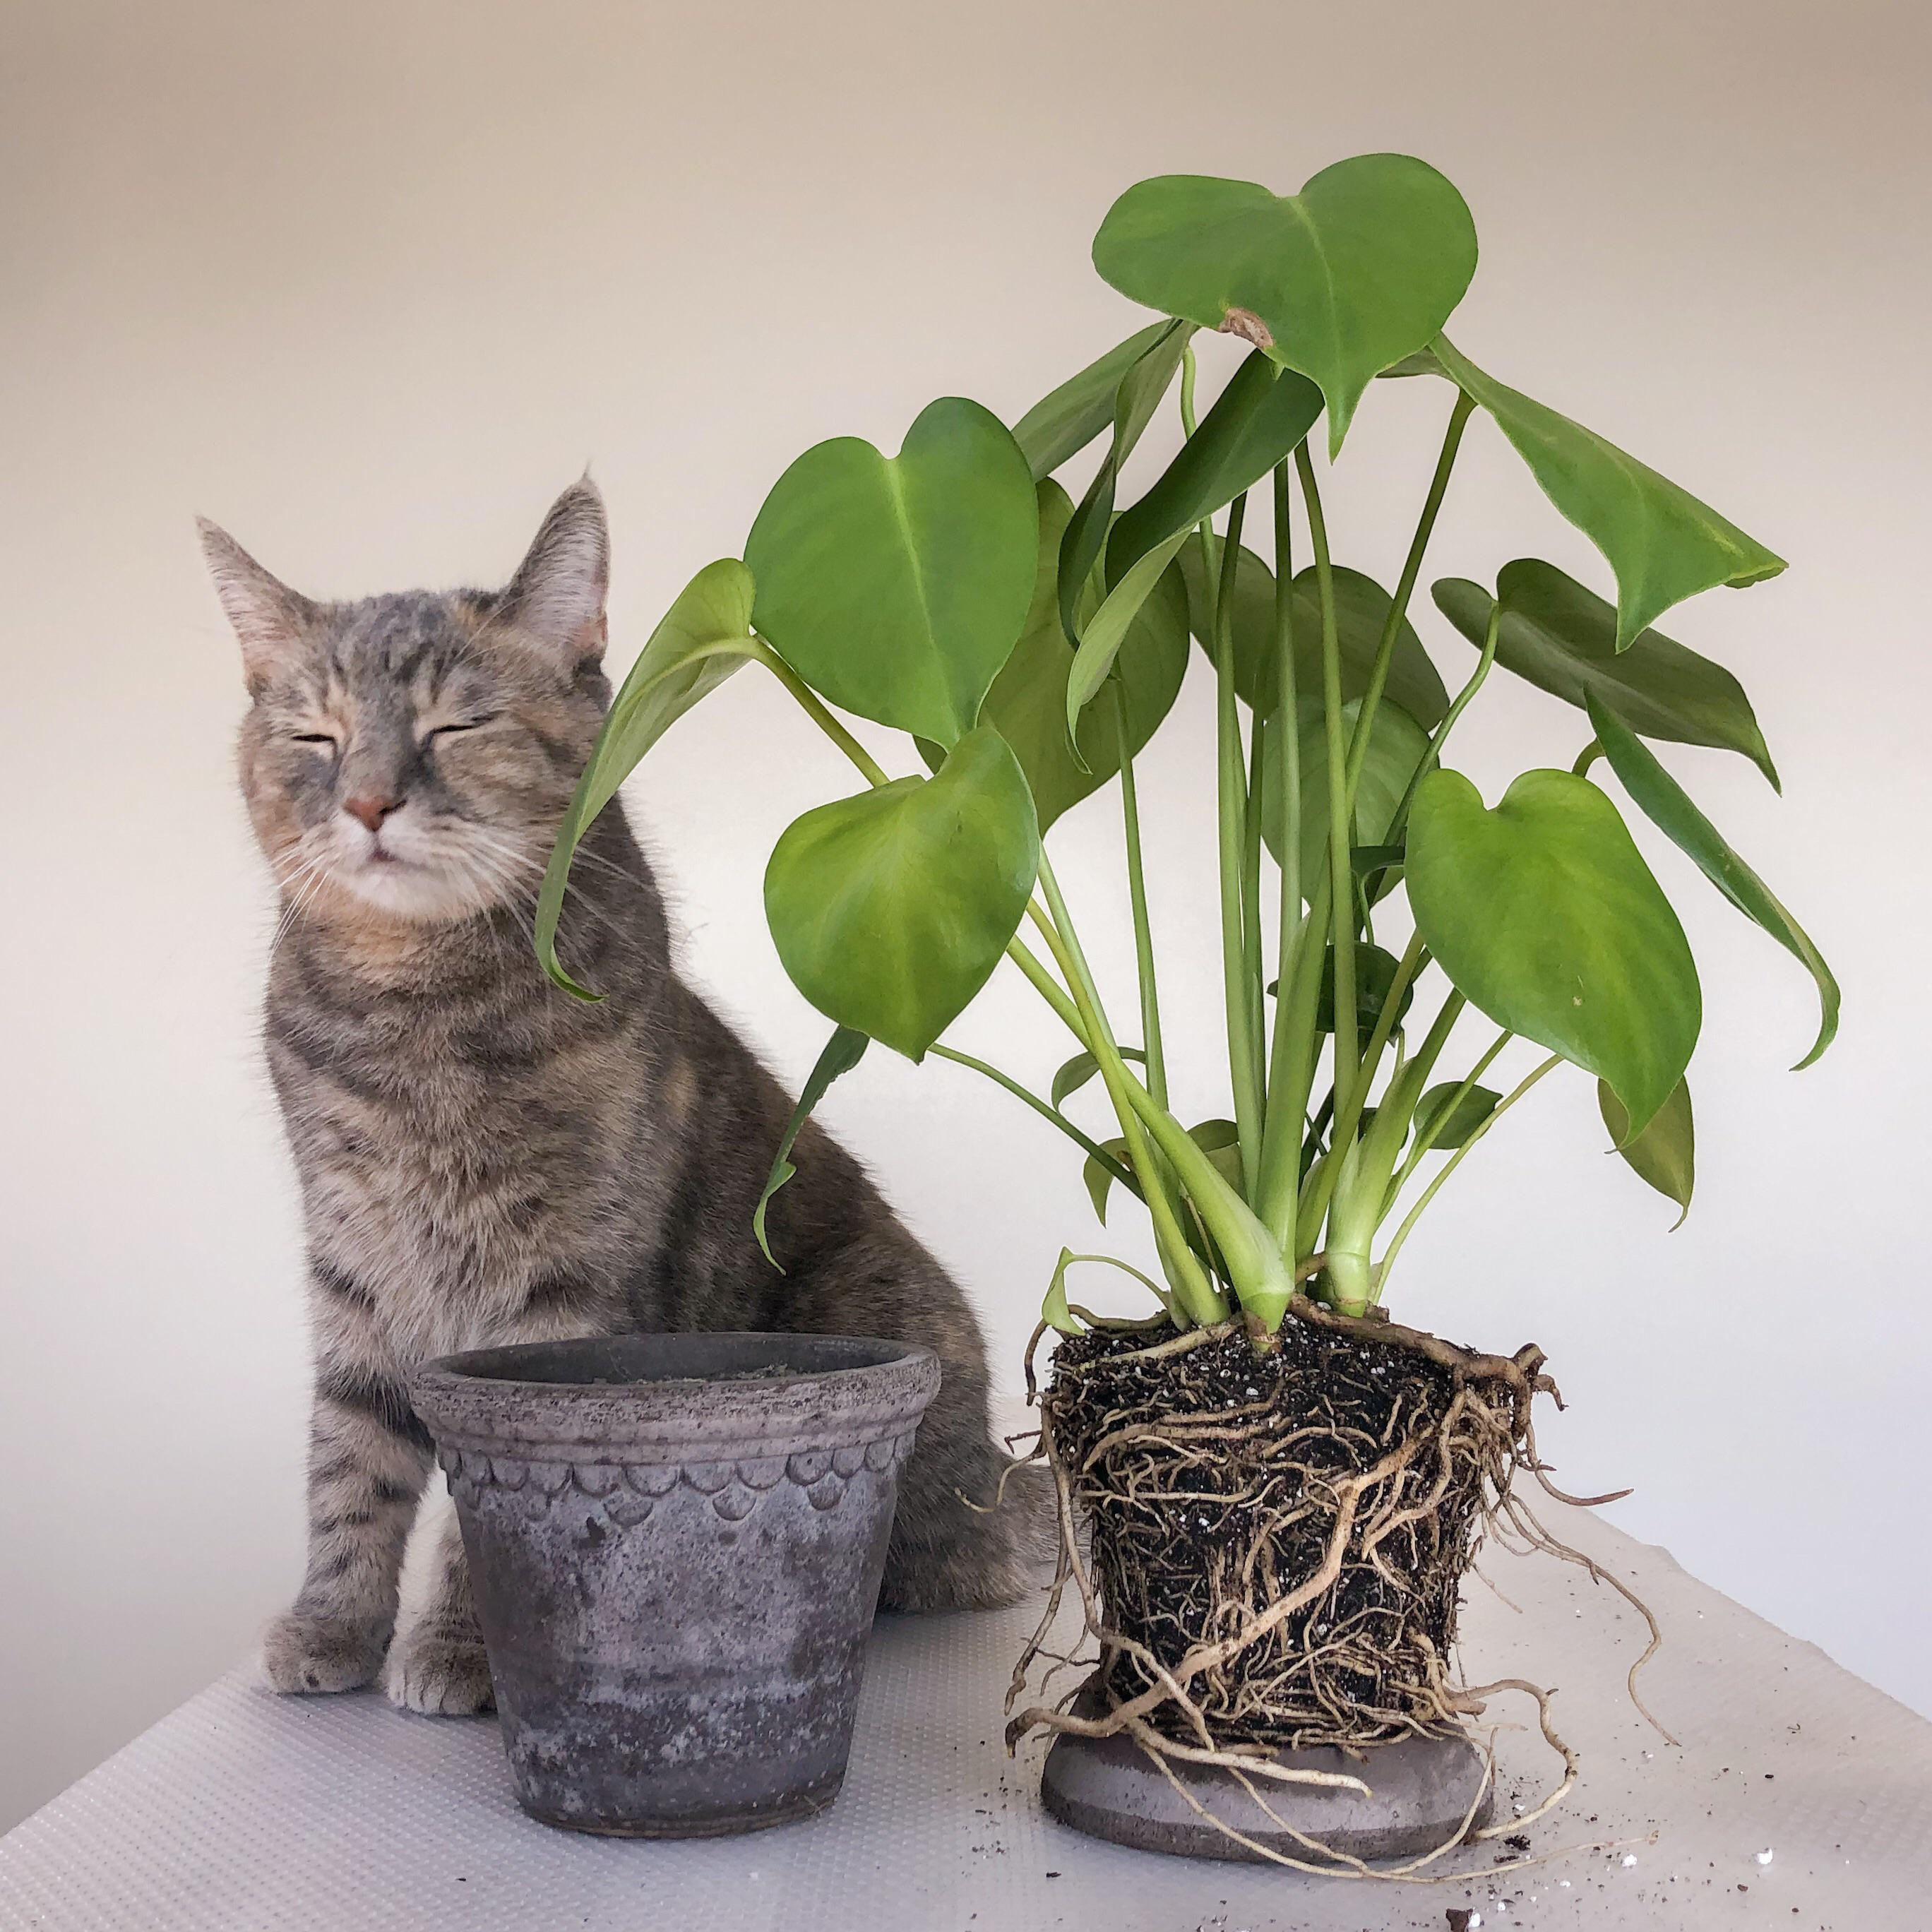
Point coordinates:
[[970, 1530], [438, 1665], [369, 1457]]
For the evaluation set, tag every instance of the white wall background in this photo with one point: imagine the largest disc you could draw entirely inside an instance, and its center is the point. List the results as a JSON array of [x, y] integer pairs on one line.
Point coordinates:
[[370, 283]]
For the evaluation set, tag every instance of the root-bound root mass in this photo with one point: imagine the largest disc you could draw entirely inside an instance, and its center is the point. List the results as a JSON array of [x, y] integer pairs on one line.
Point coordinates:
[[1276, 1541]]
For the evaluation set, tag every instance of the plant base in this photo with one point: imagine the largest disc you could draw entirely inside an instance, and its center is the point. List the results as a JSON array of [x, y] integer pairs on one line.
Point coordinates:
[[1423, 1792]]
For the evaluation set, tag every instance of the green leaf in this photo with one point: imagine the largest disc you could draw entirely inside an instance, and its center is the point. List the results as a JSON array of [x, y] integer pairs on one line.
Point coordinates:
[[1220, 1140], [1397, 745], [1256, 422], [1107, 631], [1054, 1310], [1375, 974], [1027, 703], [1665, 804], [1099, 1179], [1665, 1153], [895, 585], [1075, 1073], [1061, 425], [1259, 416], [1462, 1119], [1135, 402], [1664, 544], [1361, 610], [703, 638], [1364, 266], [1562, 638], [843, 1051], [1544, 916], [891, 909]]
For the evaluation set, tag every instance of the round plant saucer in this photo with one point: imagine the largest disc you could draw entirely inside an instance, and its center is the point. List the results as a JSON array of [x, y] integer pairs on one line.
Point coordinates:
[[1420, 1792]]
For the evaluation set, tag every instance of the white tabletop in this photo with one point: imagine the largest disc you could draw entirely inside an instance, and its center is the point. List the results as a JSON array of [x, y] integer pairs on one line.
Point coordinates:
[[248, 1811]]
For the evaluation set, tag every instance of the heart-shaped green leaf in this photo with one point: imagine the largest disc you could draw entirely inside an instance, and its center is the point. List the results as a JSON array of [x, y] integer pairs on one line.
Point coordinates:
[[1054, 1310], [1261, 415], [1544, 917], [1668, 806], [1562, 638], [843, 1051], [1445, 1121], [1074, 1074], [703, 638], [1375, 969], [1665, 1154], [1099, 1179], [1361, 268], [1361, 610], [1220, 1140], [891, 909], [1027, 703], [1256, 422], [1397, 745], [1664, 544], [1061, 425], [1103, 635], [895, 585], [1135, 402]]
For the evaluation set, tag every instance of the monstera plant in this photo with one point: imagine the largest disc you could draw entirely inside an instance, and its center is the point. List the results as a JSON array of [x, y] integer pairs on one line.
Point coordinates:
[[1388, 938]]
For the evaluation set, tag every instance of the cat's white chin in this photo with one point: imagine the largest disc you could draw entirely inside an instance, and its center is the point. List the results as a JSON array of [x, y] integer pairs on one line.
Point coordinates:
[[423, 894]]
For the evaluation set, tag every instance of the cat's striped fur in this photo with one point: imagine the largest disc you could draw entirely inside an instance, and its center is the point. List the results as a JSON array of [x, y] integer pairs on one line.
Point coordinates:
[[485, 1159]]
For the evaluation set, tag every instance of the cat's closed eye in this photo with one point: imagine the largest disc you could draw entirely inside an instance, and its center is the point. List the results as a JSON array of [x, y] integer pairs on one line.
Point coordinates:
[[314, 738], [437, 731]]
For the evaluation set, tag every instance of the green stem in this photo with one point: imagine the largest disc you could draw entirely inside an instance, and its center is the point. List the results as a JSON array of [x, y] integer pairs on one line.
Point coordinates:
[[1455, 1161], [1232, 790], [1440, 735], [815, 710], [1349, 1114], [1399, 821], [1425, 1141], [1372, 696], [1048, 989], [1586, 757], [1130, 815], [1260, 1278], [1092, 1147], [1153, 1287], [1254, 970], [1348, 1065], [1357, 1188], [1196, 1293], [1291, 1058]]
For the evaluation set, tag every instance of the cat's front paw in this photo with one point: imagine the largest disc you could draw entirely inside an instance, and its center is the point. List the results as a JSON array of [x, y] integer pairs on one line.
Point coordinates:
[[441, 1675], [306, 1656]]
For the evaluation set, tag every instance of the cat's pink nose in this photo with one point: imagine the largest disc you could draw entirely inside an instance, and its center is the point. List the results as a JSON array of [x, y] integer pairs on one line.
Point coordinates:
[[371, 811]]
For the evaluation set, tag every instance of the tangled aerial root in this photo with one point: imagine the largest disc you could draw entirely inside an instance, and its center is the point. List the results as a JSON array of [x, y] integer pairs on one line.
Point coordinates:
[[1278, 1542]]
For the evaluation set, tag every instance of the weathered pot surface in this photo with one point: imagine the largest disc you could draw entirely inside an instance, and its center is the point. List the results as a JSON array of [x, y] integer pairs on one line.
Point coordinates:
[[676, 1543]]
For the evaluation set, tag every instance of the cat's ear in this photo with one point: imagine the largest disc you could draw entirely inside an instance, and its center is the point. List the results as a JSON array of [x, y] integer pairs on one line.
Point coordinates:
[[557, 597], [270, 620]]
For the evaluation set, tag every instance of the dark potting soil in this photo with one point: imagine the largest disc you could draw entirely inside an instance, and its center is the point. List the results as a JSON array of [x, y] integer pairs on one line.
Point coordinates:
[[1210, 1479]]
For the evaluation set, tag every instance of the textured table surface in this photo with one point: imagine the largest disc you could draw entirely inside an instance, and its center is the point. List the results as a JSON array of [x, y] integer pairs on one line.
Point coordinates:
[[244, 1811]]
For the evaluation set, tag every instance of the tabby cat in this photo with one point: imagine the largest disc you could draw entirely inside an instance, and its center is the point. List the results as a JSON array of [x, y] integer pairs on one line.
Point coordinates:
[[485, 1159]]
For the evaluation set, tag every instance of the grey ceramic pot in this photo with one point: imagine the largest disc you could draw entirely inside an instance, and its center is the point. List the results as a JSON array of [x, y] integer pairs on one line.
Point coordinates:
[[676, 1543]]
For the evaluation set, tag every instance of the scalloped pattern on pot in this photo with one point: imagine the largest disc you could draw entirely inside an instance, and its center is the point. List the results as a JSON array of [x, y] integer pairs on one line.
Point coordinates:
[[627, 1491]]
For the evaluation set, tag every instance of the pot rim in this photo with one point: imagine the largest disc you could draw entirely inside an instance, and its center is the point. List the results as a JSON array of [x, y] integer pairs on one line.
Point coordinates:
[[885, 1390]]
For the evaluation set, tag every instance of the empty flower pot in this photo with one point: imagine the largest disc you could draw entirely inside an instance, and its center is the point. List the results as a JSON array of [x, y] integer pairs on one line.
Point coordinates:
[[676, 1543]]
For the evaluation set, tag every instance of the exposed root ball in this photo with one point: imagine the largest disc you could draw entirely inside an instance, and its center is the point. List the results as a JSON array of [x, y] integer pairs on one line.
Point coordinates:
[[1282, 1537]]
